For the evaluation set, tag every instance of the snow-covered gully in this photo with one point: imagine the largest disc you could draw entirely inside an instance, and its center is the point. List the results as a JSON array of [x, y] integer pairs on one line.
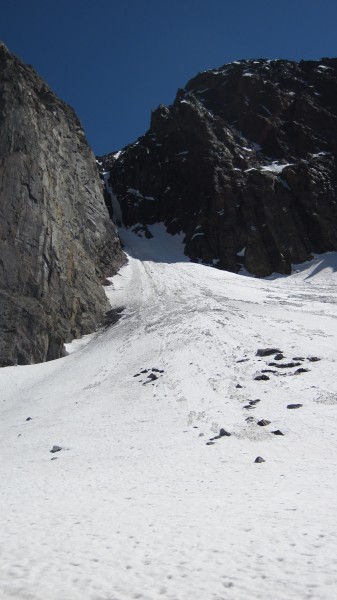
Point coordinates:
[[145, 500]]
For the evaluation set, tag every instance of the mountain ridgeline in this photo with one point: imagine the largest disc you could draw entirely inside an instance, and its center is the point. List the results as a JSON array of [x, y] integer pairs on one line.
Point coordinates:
[[243, 162], [57, 242]]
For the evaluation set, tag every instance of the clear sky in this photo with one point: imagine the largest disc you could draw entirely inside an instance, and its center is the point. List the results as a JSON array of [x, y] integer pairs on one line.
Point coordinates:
[[115, 60]]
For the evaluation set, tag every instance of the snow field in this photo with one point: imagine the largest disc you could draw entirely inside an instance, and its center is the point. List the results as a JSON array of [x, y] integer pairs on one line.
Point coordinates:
[[137, 505]]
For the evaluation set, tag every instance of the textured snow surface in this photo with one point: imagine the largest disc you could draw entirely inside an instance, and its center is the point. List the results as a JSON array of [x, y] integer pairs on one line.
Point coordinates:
[[136, 505]]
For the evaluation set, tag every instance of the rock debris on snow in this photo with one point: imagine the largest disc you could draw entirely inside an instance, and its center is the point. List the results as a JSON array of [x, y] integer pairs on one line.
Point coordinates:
[[294, 406], [259, 459]]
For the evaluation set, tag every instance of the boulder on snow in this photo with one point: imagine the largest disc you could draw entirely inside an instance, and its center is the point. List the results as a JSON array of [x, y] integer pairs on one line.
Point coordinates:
[[267, 351], [259, 459], [261, 378], [301, 370]]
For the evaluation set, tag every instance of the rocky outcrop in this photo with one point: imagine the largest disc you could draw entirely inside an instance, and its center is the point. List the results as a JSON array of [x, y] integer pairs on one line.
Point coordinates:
[[57, 242], [243, 162]]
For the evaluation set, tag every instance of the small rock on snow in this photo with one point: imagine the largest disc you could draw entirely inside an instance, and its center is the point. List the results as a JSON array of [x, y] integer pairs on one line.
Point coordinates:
[[263, 422], [294, 405], [223, 432], [55, 449], [259, 459]]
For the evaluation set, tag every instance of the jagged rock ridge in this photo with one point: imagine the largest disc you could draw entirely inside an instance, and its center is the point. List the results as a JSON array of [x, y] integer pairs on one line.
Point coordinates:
[[57, 242], [243, 162]]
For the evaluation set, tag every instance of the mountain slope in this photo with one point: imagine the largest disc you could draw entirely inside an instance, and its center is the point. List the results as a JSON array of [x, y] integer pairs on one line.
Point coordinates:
[[57, 242], [137, 505], [243, 162]]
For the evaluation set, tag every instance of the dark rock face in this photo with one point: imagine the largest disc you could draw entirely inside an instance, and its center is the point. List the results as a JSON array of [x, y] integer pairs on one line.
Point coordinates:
[[57, 242], [243, 162]]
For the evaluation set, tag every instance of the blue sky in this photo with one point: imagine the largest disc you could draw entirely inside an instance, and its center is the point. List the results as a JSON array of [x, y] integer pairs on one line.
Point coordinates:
[[115, 60]]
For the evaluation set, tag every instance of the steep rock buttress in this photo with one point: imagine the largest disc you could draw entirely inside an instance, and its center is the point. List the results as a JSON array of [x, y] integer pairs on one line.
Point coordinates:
[[57, 242], [243, 162]]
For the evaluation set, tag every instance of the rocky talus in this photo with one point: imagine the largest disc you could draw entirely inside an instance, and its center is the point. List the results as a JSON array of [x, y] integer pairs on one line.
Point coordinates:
[[243, 162], [57, 242]]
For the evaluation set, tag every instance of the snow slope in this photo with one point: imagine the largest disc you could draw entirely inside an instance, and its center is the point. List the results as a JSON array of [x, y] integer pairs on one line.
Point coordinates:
[[136, 505]]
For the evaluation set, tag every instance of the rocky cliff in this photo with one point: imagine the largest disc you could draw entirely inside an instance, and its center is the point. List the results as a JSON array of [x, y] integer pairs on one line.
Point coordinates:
[[243, 162], [57, 242]]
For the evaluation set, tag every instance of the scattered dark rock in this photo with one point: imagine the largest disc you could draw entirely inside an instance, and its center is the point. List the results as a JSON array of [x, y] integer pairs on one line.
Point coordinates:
[[144, 371], [263, 422], [55, 449], [294, 405], [277, 432], [223, 432], [313, 358], [158, 370], [261, 378], [29, 419], [301, 370], [54, 458], [298, 358], [268, 351], [268, 371], [241, 360], [289, 365], [250, 419], [259, 459], [209, 443], [252, 402], [278, 356], [249, 406], [238, 386], [136, 375]]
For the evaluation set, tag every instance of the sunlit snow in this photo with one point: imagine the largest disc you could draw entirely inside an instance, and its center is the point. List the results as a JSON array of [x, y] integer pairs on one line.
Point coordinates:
[[141, 502]]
